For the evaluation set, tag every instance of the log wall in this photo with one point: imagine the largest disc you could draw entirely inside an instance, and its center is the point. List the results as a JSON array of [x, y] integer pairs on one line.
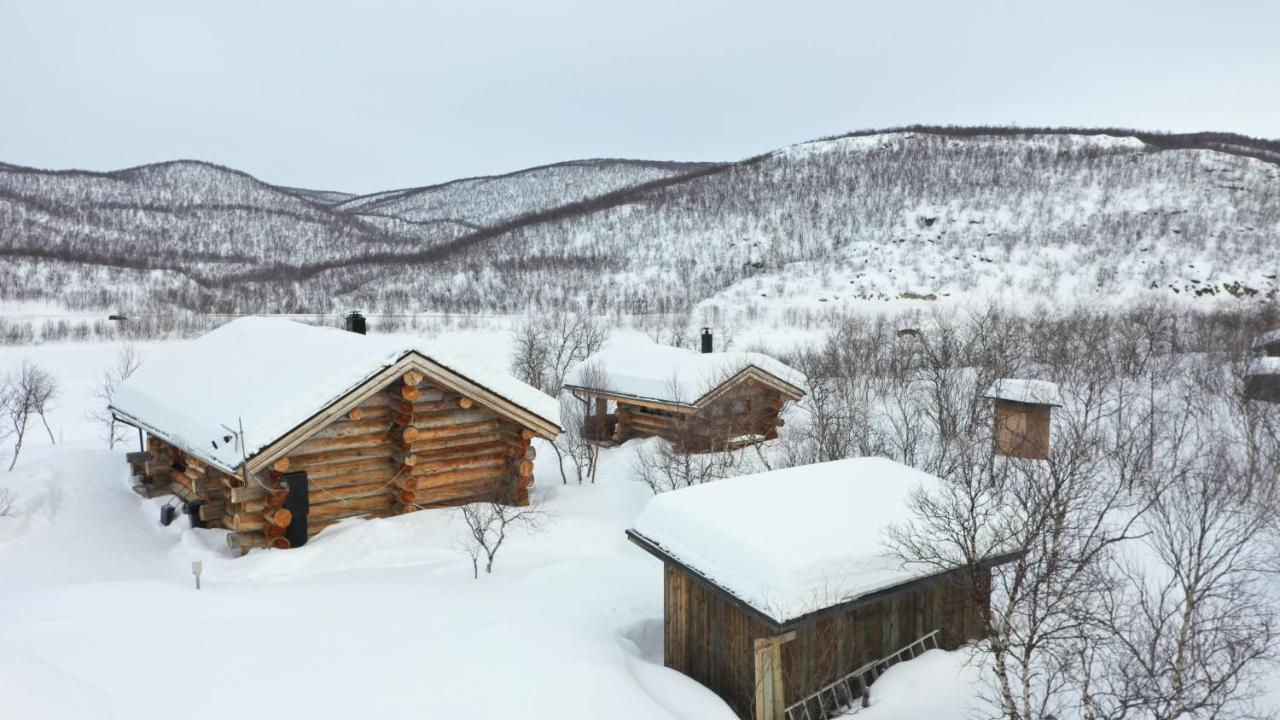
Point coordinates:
[[410, 446], [749, 409], [711, 639]]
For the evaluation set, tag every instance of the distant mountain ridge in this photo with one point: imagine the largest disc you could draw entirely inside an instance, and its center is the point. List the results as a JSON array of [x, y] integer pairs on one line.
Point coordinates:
[[867, 216]]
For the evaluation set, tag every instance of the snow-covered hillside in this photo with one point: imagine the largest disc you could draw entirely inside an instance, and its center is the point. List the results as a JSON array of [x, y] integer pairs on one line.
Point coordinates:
[[919, 215], [484, 201]]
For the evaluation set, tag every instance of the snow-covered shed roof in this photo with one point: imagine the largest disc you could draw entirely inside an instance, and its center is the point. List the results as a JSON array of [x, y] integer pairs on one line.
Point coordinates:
[[1031, 392], [1266, 340], [794, 541], [274, 374], [673, 375]]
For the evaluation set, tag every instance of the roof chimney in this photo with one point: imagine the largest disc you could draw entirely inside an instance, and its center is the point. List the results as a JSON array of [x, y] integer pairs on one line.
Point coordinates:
[[355, 323], [706, 339]]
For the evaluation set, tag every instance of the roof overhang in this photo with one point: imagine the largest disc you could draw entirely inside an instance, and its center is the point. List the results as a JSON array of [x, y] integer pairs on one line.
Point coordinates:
[[777, 626]]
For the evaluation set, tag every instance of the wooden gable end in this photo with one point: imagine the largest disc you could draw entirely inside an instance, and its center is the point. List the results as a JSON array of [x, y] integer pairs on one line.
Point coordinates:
[[437, 375]]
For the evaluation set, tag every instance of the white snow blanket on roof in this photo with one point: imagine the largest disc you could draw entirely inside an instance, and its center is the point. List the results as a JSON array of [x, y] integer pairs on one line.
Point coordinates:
[[274, 374], [671, 374], [789, 542], [1033, 392], [1266, 338]]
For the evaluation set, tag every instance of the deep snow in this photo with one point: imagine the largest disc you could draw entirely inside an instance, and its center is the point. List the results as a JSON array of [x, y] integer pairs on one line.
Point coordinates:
[[371, 619]]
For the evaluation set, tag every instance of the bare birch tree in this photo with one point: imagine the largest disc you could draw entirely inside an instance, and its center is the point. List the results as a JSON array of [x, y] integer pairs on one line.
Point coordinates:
[[487, 525], [128, 360]]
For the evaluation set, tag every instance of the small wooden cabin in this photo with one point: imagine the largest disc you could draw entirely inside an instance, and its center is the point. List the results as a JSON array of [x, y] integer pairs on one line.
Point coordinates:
[[275, 430], [1023, 417], [699, 401], [1262, 379], [786, 613]]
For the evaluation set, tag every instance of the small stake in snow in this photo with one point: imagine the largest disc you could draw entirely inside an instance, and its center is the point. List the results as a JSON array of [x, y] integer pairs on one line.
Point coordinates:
[[197, 567]]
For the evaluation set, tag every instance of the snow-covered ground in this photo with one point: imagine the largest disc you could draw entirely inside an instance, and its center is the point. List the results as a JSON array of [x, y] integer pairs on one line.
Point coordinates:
[[371, 619], [99, 616]]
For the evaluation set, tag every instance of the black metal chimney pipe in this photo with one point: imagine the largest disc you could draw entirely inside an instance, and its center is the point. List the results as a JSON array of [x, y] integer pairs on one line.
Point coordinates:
[[706, 339], [355, 323]]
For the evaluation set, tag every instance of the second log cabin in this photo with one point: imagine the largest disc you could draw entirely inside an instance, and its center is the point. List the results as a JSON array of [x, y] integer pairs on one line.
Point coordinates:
[[275, 429], [698, 401]]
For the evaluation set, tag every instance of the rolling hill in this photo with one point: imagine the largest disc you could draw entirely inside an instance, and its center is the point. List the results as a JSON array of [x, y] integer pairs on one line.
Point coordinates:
[[913, 214]]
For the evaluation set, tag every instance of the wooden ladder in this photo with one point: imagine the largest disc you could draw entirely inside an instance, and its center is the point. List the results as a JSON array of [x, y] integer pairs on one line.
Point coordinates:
[[846, 692]]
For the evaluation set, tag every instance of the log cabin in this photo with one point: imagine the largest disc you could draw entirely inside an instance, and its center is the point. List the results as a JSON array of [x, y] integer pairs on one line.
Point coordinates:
[[275, 429], [700, 402], [1023, 417], [1262, 377], [786, 609]]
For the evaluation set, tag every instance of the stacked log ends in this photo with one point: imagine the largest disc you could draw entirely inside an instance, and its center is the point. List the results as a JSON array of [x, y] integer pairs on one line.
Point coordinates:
[[405, 392], [412, 378], [465, 403]]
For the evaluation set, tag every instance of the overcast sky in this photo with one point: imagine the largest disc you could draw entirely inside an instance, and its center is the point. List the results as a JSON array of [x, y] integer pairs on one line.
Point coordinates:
[[364, 96]]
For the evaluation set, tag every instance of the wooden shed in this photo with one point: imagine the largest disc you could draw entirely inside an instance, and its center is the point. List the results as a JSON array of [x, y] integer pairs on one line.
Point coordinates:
[[275, 429], [787, 610], [1023, 417], [1262, 379], [701, 401]]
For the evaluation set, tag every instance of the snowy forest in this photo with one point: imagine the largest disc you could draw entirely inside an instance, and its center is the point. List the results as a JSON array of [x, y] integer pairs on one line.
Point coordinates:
[[1051, 215]]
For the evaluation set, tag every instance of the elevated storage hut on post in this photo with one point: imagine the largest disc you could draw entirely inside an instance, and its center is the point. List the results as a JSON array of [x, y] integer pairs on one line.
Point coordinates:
[[699, 401], [1262, 379], [780, 596], [1023, 417], [275, 429]]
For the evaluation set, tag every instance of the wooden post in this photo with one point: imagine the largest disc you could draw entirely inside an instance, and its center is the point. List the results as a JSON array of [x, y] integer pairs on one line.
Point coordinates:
[[771, 701]]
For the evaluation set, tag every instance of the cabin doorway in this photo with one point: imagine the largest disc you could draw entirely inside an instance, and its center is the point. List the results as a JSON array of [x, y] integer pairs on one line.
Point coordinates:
[[298, 503]]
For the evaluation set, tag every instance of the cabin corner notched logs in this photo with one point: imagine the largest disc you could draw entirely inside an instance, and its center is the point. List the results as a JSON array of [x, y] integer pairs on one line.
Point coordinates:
[[411, 446]]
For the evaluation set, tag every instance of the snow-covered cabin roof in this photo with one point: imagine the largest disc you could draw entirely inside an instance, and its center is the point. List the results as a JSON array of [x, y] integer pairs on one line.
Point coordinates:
[[673, 375], [1031, 392], [794, 541], [273, 375]]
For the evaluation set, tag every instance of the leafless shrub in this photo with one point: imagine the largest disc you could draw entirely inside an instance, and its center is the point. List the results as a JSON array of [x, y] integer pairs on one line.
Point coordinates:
[[24, 392], [128, 360], [548, 345], [661, 466], [487, 525]]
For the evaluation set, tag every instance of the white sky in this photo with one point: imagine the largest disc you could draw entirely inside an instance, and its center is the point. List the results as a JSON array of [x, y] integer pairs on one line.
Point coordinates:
[[365, 96]]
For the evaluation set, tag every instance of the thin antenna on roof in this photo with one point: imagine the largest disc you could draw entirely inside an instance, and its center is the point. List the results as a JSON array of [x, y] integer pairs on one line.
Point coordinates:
[[238, 435]]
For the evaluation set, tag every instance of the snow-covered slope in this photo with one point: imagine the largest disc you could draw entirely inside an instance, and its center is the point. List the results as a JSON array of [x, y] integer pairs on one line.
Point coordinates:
[[920, 215], [484, 201]]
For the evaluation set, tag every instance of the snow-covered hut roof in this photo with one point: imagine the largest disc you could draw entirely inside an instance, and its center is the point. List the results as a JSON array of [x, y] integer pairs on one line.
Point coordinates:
[[1031, 392], [794, 541], [274, 374], [673, 375], [1266, 340]]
